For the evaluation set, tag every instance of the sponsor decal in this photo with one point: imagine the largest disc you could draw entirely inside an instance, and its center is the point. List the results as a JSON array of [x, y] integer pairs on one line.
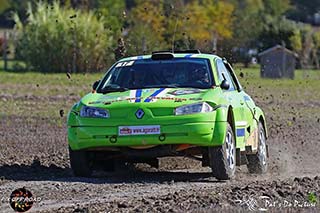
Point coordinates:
[[158, 94], [195, 99], [95, 102], [139, 130], [185, 92], [125, 64], [179, 99], [111, 98]]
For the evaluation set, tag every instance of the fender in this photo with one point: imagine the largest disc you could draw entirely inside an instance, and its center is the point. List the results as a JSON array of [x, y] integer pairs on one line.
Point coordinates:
[[220, 127], [71, 118], [222, 113], [259, 116]]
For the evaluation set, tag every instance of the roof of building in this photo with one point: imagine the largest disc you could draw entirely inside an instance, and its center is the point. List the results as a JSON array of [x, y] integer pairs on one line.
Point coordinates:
[[277, 48]]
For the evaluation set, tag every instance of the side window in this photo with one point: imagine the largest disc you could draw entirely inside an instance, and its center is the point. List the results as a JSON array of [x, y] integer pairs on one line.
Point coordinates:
[[224, 74]]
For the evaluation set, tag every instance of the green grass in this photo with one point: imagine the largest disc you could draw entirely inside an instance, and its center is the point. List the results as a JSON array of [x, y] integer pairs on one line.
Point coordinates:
[[39, 84], [32, 94], [14, 65], [303, 88], [43, 95]]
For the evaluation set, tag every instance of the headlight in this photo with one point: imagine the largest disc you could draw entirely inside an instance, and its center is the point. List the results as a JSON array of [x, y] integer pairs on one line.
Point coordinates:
[[93, 112], [193, 108]]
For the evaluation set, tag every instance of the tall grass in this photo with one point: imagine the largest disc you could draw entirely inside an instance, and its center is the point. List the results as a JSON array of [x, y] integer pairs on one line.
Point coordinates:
[[56, 39]]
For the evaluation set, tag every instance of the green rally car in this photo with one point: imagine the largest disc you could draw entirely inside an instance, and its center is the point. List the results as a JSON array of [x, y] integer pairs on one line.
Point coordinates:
[[168, 104]]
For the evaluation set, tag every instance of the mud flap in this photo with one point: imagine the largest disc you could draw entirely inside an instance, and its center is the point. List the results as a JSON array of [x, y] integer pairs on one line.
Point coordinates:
[[205, 158], [238, 157], [241, 158]]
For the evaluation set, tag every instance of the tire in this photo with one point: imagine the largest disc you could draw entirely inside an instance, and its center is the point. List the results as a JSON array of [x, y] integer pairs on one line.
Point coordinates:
[[223, 158], [113, 165], [109, 166], [258, 163], [80, 163]]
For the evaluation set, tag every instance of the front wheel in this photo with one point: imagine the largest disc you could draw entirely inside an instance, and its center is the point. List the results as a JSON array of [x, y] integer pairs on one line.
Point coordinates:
[[223, 158], [80, 163], [258, 163]]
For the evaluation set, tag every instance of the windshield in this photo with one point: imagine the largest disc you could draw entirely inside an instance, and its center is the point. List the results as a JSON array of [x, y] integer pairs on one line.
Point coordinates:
[[148, 73]]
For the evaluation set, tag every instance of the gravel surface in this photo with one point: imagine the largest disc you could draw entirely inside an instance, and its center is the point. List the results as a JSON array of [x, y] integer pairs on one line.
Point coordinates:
[[34, 155]]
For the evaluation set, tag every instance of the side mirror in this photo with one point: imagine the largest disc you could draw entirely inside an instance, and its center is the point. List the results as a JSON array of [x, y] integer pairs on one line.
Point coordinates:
[[225, 85], [95, 85]]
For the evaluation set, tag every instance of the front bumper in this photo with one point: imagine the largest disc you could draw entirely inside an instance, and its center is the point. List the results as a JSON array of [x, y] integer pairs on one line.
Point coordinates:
[[208, 133]]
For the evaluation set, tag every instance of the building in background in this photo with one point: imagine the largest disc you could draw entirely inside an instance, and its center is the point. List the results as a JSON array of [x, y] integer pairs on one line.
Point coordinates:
[[277, 62]]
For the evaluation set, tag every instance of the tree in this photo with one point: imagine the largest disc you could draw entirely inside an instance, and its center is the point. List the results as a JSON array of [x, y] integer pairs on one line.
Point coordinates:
[[199, 22], [114, 13], [146, 27], [303, 10], [220, 26], [4, 5]]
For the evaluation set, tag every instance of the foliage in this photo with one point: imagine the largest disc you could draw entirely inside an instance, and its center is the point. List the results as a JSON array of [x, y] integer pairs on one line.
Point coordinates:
[[303, 10], [316, 39], [235, 28], [296, 40], [199, 23], [4, 5], [58, 39], [146, 27], [114, 15], [248, 21]]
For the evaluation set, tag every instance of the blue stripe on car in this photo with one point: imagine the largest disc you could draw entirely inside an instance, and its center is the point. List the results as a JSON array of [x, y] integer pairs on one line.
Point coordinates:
[[188, 56], [154, 95], [246, 98], [138, 95]]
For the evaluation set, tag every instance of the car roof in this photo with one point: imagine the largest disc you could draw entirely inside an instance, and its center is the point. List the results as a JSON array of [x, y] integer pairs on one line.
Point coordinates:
[[175, 55]]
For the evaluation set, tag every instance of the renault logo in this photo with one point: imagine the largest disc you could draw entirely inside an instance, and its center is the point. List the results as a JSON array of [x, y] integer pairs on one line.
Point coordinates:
[[139, 113]]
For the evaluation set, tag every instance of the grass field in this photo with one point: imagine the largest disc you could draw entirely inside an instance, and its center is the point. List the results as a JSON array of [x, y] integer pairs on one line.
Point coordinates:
[[45, 94]]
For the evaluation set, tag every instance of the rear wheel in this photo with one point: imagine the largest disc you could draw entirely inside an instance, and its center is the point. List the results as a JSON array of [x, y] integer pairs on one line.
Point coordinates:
[[258, 163], [223, 158], [80, 163]]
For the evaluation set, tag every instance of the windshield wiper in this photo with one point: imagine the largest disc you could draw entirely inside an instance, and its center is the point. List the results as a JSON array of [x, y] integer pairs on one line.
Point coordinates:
[[113, 88]]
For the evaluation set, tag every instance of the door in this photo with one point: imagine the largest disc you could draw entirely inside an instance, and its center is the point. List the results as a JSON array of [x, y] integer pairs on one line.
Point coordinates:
[[236, 101]]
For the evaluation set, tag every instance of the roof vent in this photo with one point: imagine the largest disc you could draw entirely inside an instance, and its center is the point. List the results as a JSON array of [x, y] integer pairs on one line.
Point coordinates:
[[177, 51], [162, 56]]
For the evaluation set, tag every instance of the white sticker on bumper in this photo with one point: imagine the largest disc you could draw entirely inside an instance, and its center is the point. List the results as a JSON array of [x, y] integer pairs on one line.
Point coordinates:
[[139, 130]]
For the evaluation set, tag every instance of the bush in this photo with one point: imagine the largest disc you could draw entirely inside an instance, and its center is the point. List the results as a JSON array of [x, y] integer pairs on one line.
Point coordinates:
[[55, 39]]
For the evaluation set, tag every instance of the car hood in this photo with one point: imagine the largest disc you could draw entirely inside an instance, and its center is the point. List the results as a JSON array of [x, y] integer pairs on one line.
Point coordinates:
[[156, 96]]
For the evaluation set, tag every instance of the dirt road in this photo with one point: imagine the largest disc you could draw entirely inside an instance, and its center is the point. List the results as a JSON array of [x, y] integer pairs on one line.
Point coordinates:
[[34, 155]]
